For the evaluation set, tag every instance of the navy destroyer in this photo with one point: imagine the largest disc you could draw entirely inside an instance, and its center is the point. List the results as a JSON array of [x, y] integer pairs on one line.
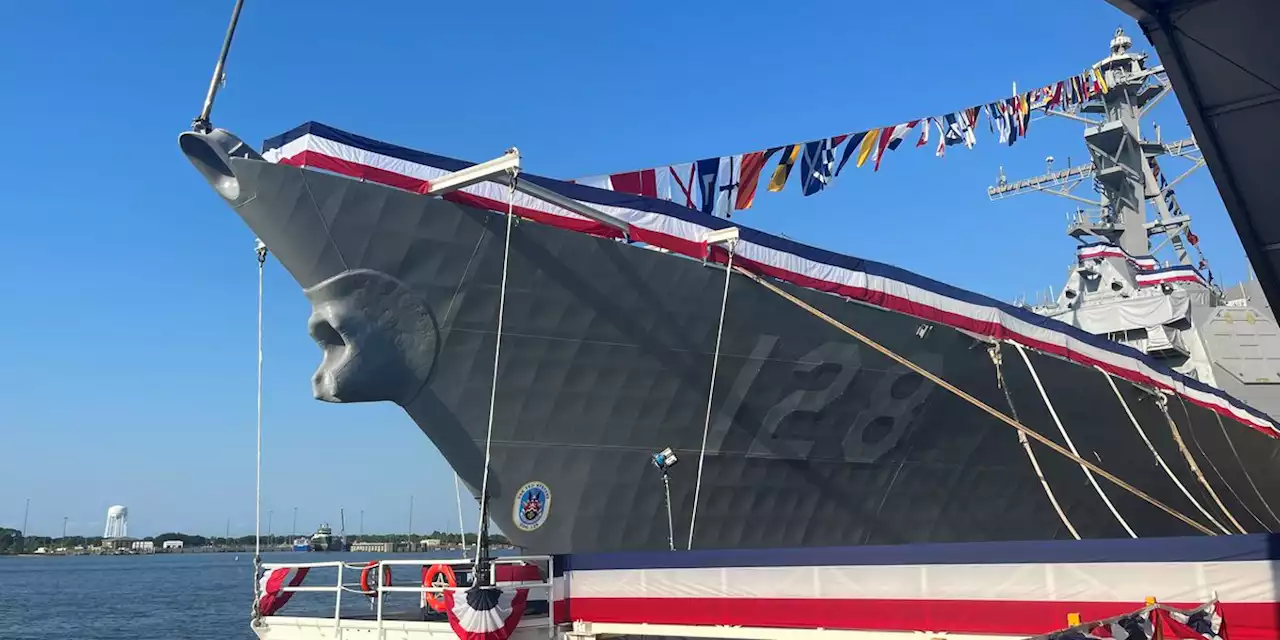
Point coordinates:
[[609, 348]]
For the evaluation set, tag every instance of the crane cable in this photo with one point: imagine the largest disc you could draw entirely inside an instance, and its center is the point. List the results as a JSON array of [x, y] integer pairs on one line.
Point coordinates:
[[1031, 433]]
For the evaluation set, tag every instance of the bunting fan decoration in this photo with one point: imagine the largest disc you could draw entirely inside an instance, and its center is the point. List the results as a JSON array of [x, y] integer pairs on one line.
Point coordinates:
[[726, 184], [272, 596], [1153, 622], [484, 613]]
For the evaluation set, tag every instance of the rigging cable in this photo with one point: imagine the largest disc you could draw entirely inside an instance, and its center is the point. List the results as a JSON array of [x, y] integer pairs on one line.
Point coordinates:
[[261, 250], [462, 528], [497, 350], [997, 358], [1159, 460], [1031, 433], [1063, 430], [1214, 467], [715, 363], [1163, 402], [1242, 468]]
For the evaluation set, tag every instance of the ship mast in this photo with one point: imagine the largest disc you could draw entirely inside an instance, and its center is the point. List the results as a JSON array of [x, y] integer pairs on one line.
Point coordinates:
[[1122, 170]]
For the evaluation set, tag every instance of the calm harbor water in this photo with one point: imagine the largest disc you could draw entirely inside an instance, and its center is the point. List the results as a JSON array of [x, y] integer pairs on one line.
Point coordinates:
[[191, 596]]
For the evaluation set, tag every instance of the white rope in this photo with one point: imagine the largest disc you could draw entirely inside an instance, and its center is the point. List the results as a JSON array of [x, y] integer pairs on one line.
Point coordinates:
[[261, 250], [1159, 459], [462, 527], [715, 364], [1163, 402], [497, 350], [1248, 477], [996, 357], [1063, 430]]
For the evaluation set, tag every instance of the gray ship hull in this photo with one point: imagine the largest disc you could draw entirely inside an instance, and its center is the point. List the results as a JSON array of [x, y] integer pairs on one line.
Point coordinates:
[[606, 358]]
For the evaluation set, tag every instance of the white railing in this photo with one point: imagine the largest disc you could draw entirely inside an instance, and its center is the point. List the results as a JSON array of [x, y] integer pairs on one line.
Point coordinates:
[[380, 566]]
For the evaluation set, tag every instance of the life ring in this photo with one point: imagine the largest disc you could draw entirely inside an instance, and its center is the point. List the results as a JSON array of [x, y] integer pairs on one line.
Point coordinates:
[[429, 576], [371, 590]]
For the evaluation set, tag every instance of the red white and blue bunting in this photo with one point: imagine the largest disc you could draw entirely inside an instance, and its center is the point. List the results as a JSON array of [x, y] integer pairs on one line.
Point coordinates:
[[271, 594], [485, 613], [1149, 271], [725, 184], [1153, 622], [683, 231]]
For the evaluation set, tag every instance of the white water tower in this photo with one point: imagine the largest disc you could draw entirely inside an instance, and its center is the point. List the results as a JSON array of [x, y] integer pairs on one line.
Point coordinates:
[[117, 522]]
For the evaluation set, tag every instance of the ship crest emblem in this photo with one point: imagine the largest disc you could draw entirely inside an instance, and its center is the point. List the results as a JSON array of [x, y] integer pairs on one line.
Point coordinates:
[[533, 504]]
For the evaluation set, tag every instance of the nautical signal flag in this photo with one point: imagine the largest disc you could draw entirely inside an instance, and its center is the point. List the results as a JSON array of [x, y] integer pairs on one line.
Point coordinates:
[[816, 166], [749, 177], [722, 185], [788, 160], [855, 141], [684, 178], [708, 178], [891, 139]]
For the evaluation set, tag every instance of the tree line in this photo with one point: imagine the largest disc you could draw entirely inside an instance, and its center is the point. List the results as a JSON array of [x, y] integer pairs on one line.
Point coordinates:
[[13, 542]]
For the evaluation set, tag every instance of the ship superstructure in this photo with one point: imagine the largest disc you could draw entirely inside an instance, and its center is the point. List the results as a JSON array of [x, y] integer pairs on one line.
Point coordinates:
[[1139, 277]]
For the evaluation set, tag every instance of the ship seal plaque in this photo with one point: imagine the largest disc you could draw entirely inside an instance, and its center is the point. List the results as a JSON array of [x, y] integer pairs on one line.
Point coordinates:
[[532, 506]]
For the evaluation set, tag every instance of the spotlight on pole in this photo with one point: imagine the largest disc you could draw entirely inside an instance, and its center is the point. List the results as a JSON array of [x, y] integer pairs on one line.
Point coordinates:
[[664, 460]]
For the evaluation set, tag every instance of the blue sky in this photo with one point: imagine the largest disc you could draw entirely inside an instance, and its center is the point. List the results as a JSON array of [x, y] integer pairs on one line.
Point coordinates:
[[129, 300]]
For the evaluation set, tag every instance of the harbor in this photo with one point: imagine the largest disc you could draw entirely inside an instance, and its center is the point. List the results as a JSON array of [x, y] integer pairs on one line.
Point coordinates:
[[1159, 334], [981, 348]]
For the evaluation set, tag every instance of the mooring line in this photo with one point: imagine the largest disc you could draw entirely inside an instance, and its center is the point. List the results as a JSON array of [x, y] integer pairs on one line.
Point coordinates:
[[497, 351], [997, 359], [715, 364], [1053, 413], [1159, 459], [1244, 470], [1031, 433], [1163, 402], [260, 249]]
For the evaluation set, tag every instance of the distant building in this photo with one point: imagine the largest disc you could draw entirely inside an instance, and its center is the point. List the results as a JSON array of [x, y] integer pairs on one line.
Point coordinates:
[[372, 547], [430, 543], [171, 545], [114, 544], [143, 546]]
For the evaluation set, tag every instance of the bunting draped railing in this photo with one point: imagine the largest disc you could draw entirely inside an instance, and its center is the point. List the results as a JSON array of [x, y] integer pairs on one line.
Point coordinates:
[[722, 185], [1151, 622]]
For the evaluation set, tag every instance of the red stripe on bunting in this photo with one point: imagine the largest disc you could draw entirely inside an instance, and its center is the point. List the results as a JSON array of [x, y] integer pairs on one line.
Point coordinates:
[[1249, 621], [683, 246]]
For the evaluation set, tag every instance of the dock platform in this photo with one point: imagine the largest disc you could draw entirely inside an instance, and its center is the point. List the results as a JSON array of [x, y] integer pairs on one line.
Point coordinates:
[[962, 591]]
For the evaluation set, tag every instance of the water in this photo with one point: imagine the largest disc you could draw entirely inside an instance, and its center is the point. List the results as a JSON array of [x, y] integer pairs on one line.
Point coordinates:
[[187, 596]]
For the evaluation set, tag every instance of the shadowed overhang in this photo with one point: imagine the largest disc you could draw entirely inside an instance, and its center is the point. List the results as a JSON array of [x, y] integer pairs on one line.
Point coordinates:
[[1223, 59]]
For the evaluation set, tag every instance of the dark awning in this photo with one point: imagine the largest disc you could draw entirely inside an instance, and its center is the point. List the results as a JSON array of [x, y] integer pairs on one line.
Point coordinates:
[[1223, 59]]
